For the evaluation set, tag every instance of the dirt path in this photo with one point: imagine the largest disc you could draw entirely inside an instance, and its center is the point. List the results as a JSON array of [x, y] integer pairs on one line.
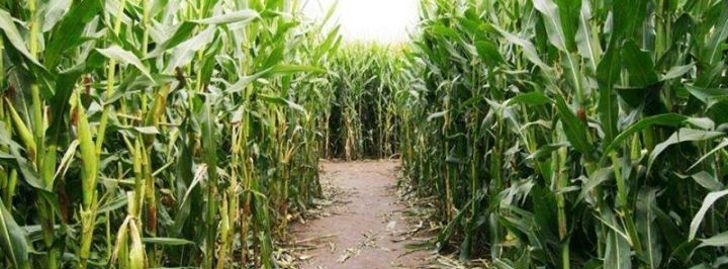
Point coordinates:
[[364, 227]]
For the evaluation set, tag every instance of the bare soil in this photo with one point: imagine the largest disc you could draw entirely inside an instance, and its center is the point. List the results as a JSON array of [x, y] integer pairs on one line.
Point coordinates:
[[362, 225]]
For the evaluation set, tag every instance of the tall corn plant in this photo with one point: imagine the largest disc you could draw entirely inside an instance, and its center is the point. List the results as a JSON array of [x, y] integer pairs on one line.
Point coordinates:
[[126, 124], [364, 78], [571, 133]]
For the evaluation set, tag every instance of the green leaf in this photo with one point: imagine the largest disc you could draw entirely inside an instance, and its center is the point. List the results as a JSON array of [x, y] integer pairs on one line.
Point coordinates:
[[149, 130], [607, 74], [185, 51], [575, 130], [682, 135], [243, 82], [181, 34], [552, 21], [723, 144], [595, 179], [13, 35], [167, 241], [436, 115], [586, 41], [709, 96], [488, 52], [59, 103], [707, 203], [670, 119], [285, 69], [26, 168], [647, 227], [639, 65], [244, 15], [444, 31], [528, 49], [617, 254], [278, 100], [708, 181], [531, 98], [209, 156], [716, 100], [53, 12], [544, 151], [712, 49], [68, 33], [677, 71], [719, 240], [122, 56], [627, 15], [184, 178], [13, 240]]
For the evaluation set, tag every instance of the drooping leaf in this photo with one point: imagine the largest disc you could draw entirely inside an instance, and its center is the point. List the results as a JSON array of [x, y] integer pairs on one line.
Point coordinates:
[[719, 240], [528, 49], [677, 72], [708, 181], [723, 144], [181, 34], [670, 119], [183, 53], [244, 15], [13, 35], [278, 100], [126, 57], [682, 135], [708, 202]]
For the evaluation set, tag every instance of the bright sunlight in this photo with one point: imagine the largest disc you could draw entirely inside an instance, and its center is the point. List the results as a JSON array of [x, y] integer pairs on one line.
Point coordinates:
[[383, 21]]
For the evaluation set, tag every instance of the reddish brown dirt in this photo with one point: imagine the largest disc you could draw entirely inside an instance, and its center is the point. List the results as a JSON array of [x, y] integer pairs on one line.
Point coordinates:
[[363, 227]]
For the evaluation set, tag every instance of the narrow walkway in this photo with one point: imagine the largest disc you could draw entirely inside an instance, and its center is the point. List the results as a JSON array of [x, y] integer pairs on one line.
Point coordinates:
[[364, 227]]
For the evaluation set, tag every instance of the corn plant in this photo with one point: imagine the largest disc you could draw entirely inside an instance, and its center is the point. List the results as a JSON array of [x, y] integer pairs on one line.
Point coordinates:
[[362, 122], [149, 134], [567, 134]]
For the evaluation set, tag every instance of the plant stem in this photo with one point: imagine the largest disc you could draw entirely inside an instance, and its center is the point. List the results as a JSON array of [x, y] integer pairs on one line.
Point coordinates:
[[110, 81], [47, 216], [562, 182]]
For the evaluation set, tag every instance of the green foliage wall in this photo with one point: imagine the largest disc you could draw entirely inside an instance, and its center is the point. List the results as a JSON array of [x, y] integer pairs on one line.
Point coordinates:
[[154, 133], [572, 133], [362, 121]]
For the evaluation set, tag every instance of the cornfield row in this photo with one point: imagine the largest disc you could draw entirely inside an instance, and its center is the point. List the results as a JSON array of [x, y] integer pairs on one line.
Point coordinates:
[[585, 134], [156, 134], [361, 121]]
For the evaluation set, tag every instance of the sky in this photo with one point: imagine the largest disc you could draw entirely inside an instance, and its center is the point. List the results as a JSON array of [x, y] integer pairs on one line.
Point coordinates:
[[383, 21]]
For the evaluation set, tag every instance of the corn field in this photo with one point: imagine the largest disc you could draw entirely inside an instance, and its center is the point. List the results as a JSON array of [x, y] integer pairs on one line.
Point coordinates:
[[361, 121], [572, 133], [156, 134], [188, 134]]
